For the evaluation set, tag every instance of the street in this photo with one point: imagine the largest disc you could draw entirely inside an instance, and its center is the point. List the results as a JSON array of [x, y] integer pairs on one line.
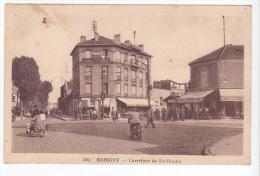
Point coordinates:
[[105, 137]]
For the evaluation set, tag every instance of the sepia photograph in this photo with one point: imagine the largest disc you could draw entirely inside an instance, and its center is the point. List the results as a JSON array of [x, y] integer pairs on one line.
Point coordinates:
[[127, 84]]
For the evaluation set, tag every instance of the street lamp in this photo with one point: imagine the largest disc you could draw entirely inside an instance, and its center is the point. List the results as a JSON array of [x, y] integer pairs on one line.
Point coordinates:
[[102, 95]]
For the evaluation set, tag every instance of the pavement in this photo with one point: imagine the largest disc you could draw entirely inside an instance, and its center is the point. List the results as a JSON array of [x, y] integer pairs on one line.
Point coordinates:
[[229, 146]]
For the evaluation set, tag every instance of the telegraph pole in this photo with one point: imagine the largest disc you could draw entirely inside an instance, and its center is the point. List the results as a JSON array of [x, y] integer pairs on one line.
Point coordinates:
[[224, 30]]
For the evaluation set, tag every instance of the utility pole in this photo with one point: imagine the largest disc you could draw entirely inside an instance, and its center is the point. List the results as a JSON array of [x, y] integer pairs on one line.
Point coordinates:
[[149, 82], [134, 36], [224, 30]]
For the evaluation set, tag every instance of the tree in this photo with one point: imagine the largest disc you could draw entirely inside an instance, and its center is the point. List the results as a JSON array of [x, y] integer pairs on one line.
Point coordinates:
[[26, 77], [43, 95]]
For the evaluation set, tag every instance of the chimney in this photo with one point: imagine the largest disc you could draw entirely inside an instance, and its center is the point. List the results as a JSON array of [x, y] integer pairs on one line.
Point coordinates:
[[127, 42], [82, 38], [96, 36], [141, 47], [117, 38]]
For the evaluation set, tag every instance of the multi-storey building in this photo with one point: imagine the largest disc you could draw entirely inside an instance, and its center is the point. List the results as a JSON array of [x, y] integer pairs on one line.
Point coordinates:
[[109, 70], [217, 81]]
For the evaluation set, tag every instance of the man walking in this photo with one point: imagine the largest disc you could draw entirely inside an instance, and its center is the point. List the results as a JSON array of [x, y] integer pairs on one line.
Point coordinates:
[[164, 114], [183, 113], [113, 114], [150, 117]]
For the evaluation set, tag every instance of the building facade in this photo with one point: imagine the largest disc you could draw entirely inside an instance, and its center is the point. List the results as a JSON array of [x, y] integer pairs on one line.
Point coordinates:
[[65, 101], [108, 73], [216, 83], [175, 90]]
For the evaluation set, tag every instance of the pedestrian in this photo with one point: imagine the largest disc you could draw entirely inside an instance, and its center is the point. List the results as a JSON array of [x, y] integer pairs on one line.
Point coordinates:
[[113, 114], [164, 114], [94, 114], [150, 118], [183, 113], [178, 113]]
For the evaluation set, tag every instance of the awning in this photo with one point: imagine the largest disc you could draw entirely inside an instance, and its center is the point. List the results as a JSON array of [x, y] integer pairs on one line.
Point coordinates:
[[134, 102], [192, 97], [231, 94]]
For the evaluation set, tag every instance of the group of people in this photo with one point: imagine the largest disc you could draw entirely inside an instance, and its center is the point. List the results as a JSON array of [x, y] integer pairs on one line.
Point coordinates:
[[38, 122], [179, 113]]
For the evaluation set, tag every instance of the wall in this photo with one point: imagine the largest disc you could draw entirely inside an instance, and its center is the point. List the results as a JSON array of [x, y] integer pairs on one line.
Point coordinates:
[[232, 73], [211, 67]]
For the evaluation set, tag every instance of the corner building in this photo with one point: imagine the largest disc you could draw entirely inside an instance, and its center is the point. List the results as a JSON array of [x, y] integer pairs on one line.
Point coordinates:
[[108, 68], [217, 82]]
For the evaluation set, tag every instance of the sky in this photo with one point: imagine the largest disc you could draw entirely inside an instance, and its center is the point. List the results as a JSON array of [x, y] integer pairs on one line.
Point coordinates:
[[173, 35]]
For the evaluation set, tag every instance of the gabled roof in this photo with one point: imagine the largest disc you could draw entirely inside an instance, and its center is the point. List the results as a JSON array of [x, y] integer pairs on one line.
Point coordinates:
[[103, 41], [225, 52]]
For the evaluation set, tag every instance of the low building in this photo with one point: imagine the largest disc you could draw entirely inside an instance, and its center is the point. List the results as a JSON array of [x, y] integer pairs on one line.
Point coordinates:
[[158, 96], [216, 85], [175, 90]]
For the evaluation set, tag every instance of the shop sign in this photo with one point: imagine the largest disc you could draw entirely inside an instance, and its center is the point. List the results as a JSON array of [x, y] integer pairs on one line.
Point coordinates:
[[230, 98]]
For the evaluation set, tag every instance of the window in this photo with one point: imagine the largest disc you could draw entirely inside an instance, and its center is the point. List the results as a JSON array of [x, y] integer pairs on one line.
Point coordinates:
[[105, 88], [141, 77], [88, 72], [126, 89], [204, 78], [117, 56], [133, 90], [126, 58], [96, 54], [118, 88], [141, 91], [88, 88], [133, 75], [104, 72], [85, 54], [132, 59], [122, 57], [104, 54], [141, 63], [118, 73], [126, 74], [145, 61]]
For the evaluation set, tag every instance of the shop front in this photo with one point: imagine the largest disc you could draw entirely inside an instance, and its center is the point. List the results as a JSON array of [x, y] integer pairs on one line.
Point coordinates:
[[128, 104], [198, 104], [230, 103]]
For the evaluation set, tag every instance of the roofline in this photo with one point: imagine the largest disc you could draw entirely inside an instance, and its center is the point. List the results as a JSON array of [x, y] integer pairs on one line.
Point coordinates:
[[217, 58], [140, 52], [120, 46]]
